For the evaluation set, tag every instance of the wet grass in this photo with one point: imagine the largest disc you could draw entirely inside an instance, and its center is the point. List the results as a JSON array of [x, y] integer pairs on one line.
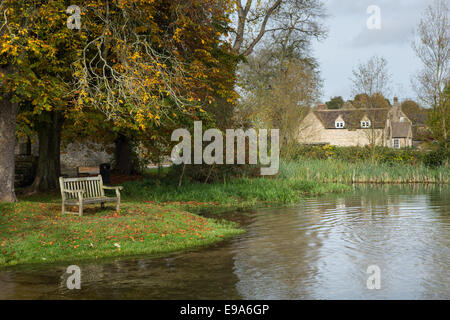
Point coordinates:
[[36, 232]]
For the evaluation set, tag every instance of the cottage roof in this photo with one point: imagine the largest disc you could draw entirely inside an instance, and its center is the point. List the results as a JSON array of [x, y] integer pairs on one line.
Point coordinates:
[[400, 129], [353, 117]]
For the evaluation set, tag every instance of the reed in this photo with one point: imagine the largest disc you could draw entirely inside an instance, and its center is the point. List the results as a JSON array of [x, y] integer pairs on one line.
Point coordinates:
[[338, 171], [237, 193]]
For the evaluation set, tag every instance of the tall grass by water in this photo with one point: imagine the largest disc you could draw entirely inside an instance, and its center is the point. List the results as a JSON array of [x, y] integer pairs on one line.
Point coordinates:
[[338, 171], [244, 192]]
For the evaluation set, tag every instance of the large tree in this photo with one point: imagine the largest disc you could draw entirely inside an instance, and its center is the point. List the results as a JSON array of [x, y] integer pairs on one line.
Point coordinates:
[[286, 19], [138, 62], [36, 50], [432, 48], [144, 63], [280, 80], [8, 114]]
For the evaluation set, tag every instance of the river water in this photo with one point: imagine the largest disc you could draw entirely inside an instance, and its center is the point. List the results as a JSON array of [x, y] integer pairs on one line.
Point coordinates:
[[320, 249]]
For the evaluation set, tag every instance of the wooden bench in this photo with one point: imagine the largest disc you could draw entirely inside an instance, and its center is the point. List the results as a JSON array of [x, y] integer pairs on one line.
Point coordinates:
[[88, 171], [81, 191]]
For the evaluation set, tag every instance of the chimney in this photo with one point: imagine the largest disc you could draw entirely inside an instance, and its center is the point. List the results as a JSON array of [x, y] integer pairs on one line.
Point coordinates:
[[321, 107], [395, 102]]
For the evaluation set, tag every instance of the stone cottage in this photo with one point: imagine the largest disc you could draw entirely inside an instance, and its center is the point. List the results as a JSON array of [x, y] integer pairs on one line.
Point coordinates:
[[349, 126]]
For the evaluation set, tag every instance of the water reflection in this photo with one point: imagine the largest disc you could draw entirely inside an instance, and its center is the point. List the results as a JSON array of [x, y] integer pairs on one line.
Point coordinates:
[[318, 250]]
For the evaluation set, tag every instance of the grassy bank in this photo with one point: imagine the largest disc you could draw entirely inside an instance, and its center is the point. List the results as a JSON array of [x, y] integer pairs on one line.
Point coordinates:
[[153, 219], [338, 171], [238, 193], [35, 232]]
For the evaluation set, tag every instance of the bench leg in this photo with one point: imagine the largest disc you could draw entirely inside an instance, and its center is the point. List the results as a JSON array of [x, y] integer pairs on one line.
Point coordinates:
[[80, 209], [63, 209], [118, 205], [103, 205]]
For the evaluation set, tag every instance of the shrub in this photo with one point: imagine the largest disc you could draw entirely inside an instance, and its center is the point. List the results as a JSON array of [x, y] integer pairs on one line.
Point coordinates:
[[212, 173], [359, 154], [437, 157]]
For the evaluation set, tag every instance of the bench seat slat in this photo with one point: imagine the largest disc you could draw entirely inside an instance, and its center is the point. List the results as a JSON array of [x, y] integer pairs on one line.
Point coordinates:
[[92, 200]]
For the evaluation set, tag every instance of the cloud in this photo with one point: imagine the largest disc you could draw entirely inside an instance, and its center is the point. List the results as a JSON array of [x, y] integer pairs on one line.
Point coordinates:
[[398, 21], [391, 32], [359, 7], [350, 42]]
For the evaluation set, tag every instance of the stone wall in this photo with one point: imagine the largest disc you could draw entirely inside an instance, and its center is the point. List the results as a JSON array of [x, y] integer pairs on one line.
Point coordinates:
[[84, 155], [347, 138], [25, 170], [73, 155]]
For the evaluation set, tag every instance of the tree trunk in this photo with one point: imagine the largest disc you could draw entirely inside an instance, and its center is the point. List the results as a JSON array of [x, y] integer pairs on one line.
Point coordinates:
[[48, 171], [8, 116], [123, 155]]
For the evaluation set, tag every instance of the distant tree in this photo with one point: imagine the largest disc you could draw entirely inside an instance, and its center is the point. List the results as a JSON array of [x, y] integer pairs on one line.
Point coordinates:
[[279, 97], [379, 101], [335, 103], [432, 48], [418, 117], [413, 111], [376, 101], [372, 80], [360, 101]]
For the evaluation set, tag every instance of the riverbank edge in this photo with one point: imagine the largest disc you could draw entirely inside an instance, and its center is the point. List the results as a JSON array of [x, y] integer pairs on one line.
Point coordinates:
[[30, 248], [49, 205]]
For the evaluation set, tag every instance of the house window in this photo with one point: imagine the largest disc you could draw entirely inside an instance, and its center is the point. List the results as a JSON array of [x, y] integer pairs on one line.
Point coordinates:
[[339, 124], [365, 124], [396, 143]]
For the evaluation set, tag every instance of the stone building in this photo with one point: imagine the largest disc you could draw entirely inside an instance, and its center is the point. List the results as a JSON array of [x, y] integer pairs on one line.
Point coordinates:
[[349, 126]]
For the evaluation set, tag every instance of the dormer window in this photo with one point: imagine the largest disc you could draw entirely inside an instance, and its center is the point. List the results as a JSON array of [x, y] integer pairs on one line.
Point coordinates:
[[339, 124], [365, 124]]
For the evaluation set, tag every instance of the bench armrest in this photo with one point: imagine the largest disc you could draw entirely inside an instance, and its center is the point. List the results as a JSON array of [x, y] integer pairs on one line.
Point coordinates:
[[79, 192], [113, 188], [118, 188]]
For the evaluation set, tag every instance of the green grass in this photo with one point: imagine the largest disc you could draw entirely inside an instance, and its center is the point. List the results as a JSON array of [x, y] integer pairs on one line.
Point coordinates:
[[35, 232], [338, 171], [153, 219], [239, 193]]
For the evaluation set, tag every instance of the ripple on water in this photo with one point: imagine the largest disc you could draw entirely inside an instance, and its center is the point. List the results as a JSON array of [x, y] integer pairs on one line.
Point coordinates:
[[318, 250]]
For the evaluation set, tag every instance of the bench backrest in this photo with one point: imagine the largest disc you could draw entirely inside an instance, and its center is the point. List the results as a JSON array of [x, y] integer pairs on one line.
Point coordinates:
[[92, 187]]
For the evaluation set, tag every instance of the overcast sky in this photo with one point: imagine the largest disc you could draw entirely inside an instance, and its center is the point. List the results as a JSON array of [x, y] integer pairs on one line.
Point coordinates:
[[350, 42]]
